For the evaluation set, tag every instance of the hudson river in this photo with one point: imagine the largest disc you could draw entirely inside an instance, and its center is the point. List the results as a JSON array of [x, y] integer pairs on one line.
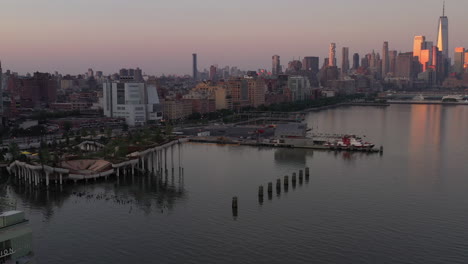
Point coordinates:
[[409, 205]]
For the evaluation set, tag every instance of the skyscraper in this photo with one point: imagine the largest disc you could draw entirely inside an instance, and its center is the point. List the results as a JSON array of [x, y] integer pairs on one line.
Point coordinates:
[[213, 70], [373, 60], [459, 60], [435, 56], [425, 59], [332, 55], [418, 45], [276, 65], [310, 64], [345, 61], [442, 34], [355, 61], [392, 57], [194, 67], [405, 65], [385, 59], [90, 73]]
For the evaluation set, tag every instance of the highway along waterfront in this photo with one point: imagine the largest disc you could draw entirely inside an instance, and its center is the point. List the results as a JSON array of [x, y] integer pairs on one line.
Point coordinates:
[[408, 205]]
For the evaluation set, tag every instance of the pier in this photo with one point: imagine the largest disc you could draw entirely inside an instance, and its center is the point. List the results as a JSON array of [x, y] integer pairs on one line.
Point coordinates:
[[226, 141], [152, 161]]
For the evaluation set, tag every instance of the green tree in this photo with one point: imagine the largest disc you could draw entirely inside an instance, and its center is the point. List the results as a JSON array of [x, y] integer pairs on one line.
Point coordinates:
[[14, 150], [168, 130], [109, 132], [195, 116], [67, 126], [44, 154], [157, 137]]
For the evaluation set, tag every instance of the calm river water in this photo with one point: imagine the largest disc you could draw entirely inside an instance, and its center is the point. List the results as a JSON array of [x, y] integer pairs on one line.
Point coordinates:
[[409, 205]]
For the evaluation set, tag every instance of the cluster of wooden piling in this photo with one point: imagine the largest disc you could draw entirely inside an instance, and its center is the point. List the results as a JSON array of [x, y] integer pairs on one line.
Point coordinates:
[[294, 180]]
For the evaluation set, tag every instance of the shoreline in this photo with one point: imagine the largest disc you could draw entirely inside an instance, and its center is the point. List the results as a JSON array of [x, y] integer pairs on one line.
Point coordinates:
[[427, 103]]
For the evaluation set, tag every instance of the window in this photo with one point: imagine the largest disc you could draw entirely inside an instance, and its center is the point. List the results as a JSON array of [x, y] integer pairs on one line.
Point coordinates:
[[120, 93]]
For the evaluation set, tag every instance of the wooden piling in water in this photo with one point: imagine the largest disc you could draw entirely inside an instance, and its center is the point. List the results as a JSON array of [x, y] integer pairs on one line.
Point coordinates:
[[234, 202], [270, 187], [260, 191], [286, 180]]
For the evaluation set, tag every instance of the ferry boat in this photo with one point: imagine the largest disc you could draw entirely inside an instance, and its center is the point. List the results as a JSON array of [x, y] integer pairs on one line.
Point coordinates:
[[452, 98]]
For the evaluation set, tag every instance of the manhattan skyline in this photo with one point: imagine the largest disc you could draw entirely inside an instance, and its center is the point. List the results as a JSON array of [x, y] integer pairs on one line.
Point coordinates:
[[160, 37]]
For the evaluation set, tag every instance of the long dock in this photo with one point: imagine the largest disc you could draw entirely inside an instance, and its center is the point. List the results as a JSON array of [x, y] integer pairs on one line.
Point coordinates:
[[279, 145], [426, 102]]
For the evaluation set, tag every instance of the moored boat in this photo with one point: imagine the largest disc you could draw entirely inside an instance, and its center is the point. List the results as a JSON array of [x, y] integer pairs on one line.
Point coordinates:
[[349, 142]]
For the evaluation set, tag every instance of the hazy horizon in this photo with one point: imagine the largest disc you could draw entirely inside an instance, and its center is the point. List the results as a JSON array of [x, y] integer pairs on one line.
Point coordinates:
[[159, 37]]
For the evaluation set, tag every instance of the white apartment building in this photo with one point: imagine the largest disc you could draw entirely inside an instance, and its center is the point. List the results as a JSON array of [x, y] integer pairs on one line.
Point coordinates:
[[134, 101]]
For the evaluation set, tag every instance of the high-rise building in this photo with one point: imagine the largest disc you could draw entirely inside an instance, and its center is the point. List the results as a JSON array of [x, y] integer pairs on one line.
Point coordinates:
[[385, 60], [90, 73], [404, 68], [310, 64], [392, 57], [239, 91], [248, 91], [256, 91], [123, 72], [131, 74], [435, 56], [345, 61], [294, 66], [276, 66], [355, 61], [459, 60], [138, 75], [194, 67], [213, 73], [418, 45], [99, 74], [373, 60], [332, 55], [134, 101], [427, 45], [439, 63], [425, 59], [365, 62], [442, 34]]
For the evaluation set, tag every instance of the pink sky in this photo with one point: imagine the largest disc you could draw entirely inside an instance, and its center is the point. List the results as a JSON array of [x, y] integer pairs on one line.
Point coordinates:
[[160, 36]]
